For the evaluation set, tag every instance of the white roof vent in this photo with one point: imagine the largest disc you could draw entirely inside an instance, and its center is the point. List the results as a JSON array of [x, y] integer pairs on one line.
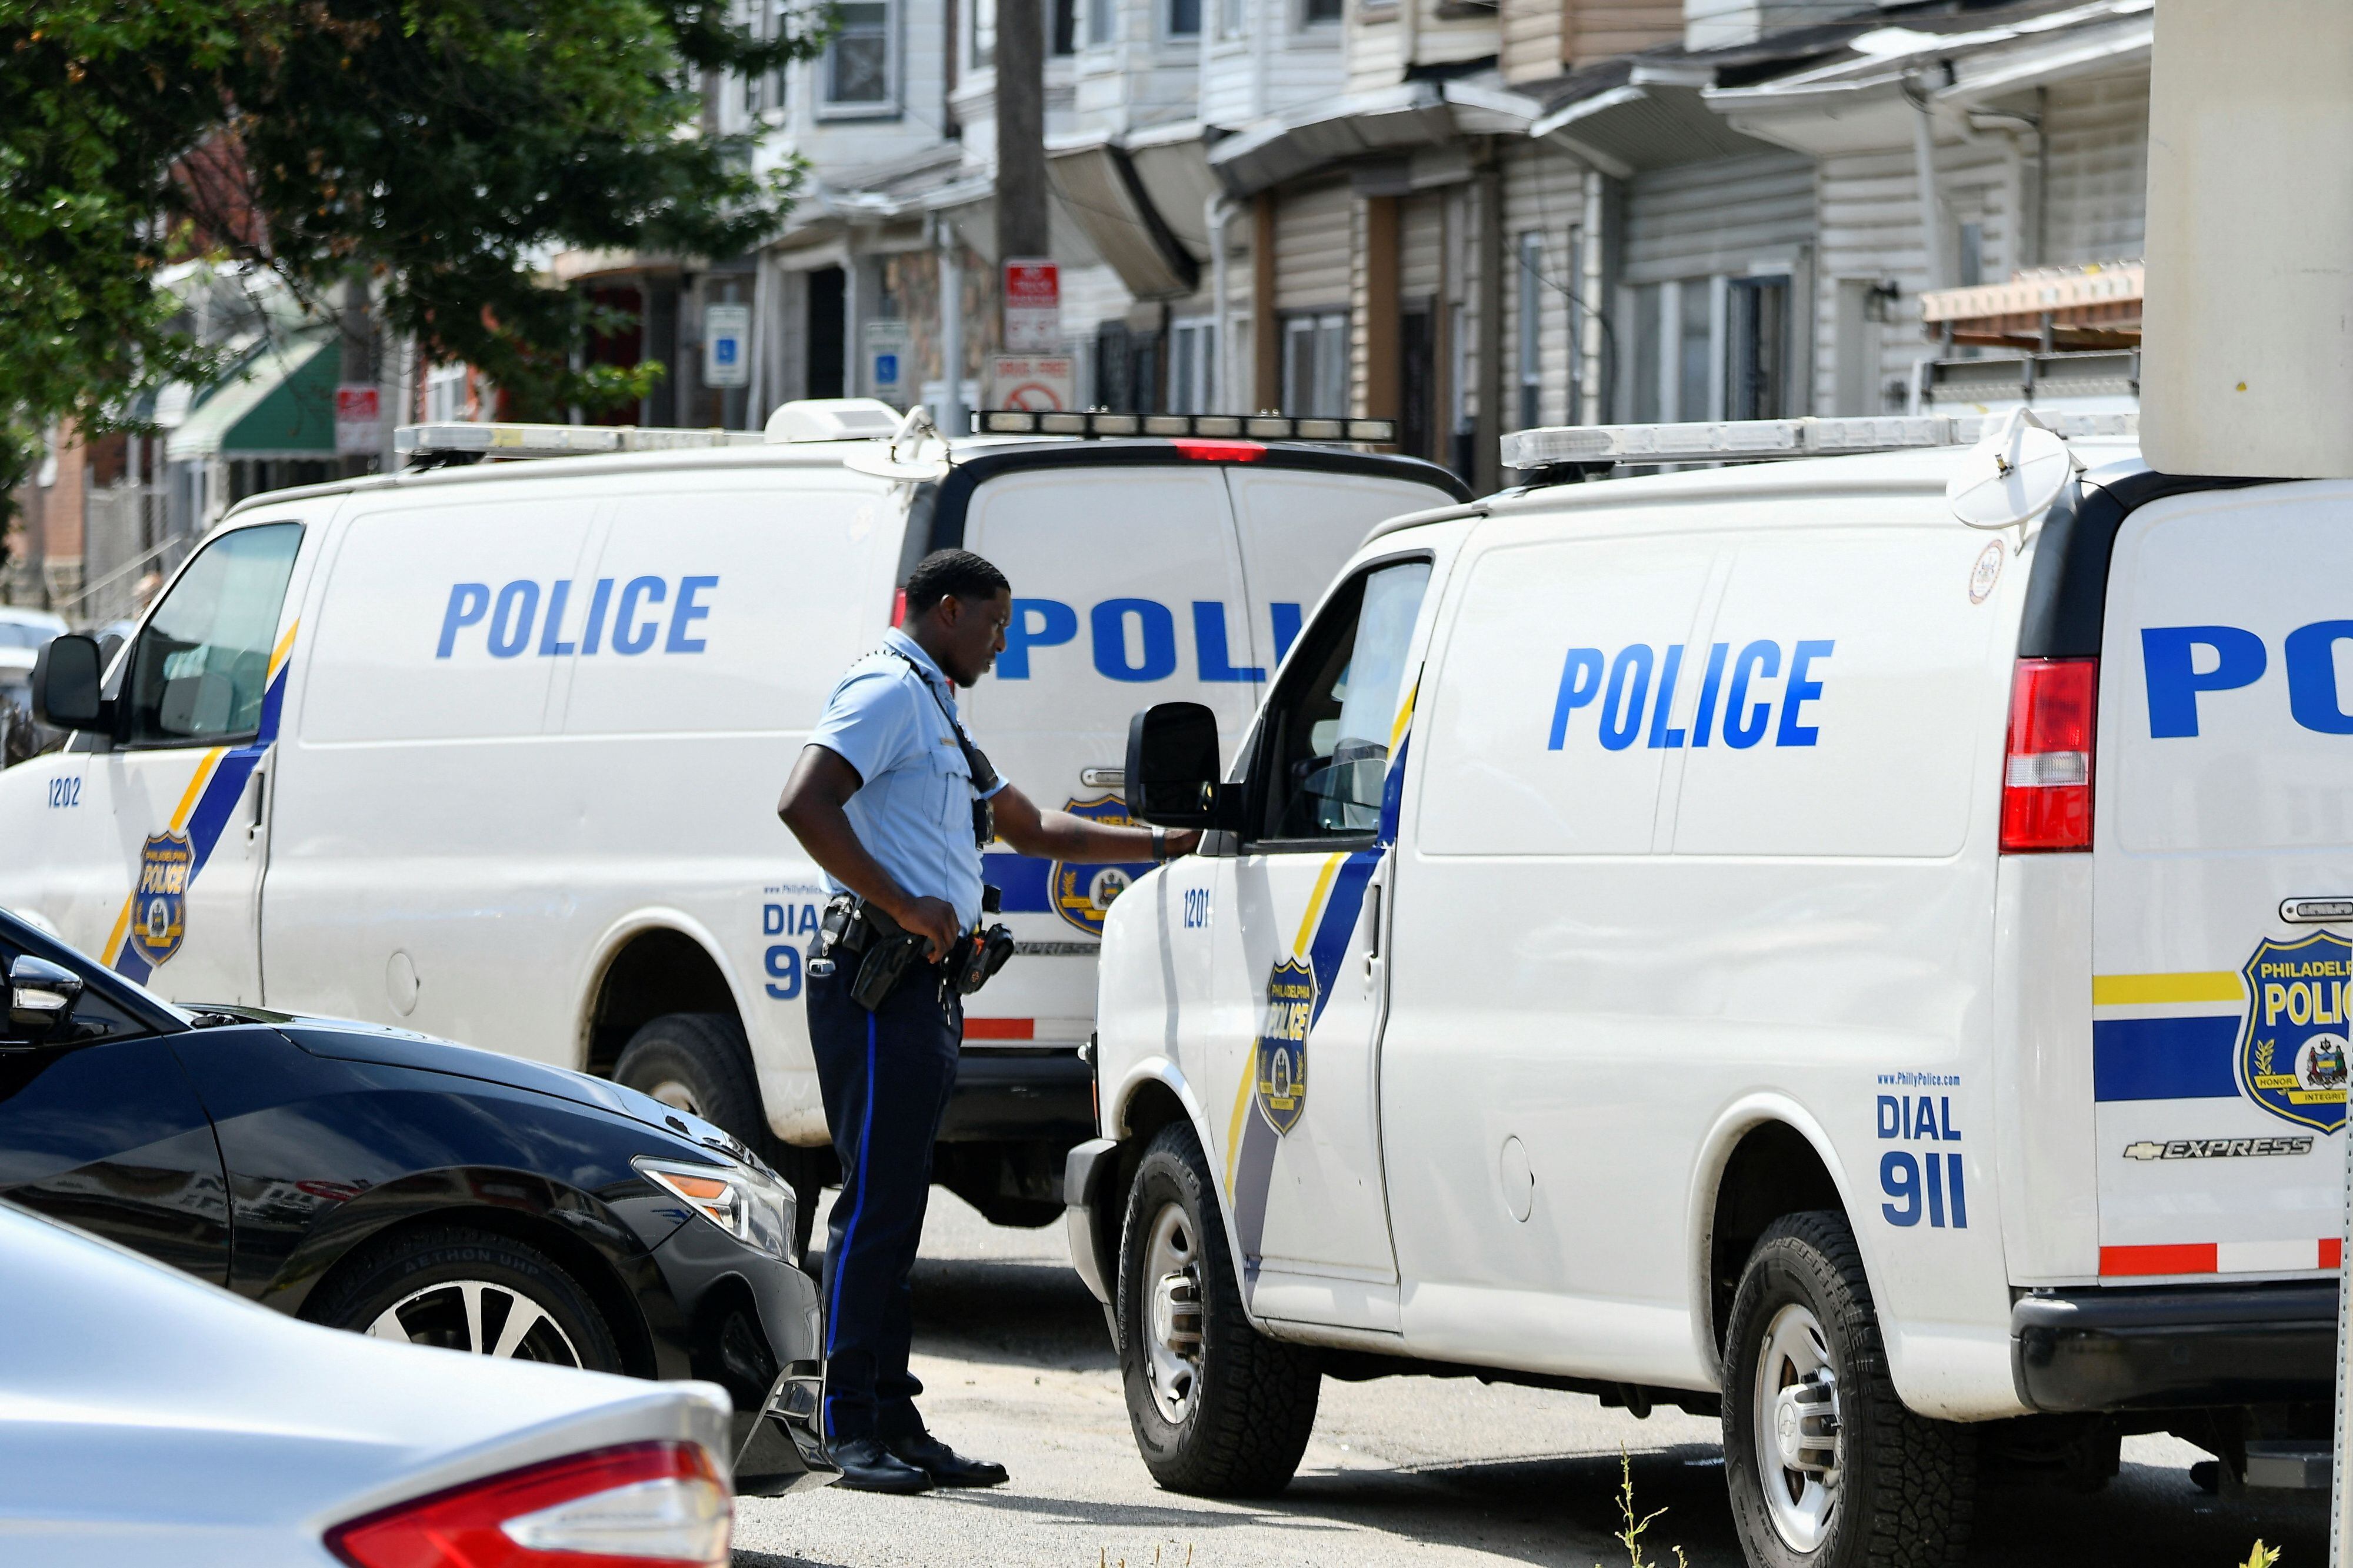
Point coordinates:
[[833, 419]]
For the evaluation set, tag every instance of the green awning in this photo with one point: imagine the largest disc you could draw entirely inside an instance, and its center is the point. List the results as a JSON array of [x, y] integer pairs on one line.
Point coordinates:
[[280, 404]]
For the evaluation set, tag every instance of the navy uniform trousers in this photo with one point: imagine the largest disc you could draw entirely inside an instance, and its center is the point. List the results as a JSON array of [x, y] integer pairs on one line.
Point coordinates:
[[886, 1076]]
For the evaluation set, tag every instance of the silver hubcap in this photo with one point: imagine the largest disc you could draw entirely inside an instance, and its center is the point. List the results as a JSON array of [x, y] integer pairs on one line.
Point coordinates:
[[477, 1316], [676, 1095], [1796, 1412], [1171, 1274]]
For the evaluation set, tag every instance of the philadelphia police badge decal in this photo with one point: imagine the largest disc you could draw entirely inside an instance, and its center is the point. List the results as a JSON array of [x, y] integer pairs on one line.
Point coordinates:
[[2292, 1057], [1082, 894], [159, 912], [1283, 1043]]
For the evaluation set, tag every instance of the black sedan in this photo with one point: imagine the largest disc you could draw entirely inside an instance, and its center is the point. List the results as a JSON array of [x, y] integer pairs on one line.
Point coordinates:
[[398, 1185]]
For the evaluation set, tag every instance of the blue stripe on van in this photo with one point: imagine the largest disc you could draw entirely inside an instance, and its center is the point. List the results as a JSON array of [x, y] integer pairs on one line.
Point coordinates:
[[2165, 1058], [1026, 880]]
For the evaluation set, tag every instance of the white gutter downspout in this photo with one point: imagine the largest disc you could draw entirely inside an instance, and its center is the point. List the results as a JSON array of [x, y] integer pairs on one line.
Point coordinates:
[[1589, 283], [1215, 212], [1924, 158]]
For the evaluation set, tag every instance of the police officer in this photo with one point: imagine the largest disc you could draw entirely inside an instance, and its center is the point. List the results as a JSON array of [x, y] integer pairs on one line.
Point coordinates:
[[887, 798]]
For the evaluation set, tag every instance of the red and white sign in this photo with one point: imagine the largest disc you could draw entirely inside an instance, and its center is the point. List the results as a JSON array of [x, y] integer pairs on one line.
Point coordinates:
[[359, 419], [1033, 306], [1041, 384]]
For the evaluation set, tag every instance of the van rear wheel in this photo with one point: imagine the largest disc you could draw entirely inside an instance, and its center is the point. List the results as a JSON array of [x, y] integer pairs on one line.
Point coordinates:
[[1826, 1467], [1219, 1409]]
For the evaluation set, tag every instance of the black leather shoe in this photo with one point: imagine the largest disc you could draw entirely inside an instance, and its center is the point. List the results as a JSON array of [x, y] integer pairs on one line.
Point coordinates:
[[867, 1466], [943, 1465]]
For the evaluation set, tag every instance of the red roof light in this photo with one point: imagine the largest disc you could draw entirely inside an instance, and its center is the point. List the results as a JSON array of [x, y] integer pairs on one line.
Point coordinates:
[[1219, 451]]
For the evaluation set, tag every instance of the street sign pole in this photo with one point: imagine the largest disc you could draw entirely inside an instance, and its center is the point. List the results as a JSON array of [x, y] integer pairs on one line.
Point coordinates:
[[2340, 1501]]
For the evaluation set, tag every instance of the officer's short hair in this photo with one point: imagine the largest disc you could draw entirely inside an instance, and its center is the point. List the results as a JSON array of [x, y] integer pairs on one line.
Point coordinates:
[[957, 571]]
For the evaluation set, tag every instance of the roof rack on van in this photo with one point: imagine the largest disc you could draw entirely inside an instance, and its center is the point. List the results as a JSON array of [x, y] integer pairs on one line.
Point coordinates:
[[1095, 423], [1752, 440]]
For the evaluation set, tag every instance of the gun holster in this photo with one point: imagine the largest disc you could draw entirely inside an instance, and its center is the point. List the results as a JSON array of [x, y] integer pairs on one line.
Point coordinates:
[[885, 951]]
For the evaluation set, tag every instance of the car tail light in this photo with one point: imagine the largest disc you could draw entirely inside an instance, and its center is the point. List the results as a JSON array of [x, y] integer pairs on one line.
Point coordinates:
[[648, 1505], [899, 607], [2046, 774]]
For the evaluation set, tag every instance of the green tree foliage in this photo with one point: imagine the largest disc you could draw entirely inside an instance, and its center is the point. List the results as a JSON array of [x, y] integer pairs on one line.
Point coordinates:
[[440, 147]]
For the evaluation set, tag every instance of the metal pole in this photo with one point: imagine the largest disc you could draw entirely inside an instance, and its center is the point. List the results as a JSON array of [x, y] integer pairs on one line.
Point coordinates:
[[1217, 210]]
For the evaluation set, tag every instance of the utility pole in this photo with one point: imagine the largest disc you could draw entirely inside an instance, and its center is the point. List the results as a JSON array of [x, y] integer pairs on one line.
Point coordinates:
[[1020, 132]]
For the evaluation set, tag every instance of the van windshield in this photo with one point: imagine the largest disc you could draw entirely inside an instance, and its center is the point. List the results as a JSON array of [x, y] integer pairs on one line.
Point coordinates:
[[1330, 728]]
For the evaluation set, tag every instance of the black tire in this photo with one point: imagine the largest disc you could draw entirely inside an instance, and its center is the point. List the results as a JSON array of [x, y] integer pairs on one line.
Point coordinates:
[[1904, 1487], [1252, 1401], [425, 1267], [700, 1063]]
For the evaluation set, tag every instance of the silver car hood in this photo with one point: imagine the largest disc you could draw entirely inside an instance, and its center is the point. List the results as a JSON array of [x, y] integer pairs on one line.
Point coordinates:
[[147, 1416]]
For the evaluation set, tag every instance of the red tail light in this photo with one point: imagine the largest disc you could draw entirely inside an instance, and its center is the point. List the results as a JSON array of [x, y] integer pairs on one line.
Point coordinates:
[[648, 1505], [2046, 775]]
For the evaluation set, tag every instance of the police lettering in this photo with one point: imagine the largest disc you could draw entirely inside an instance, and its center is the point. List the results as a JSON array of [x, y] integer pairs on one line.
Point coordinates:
[[631, 616], [1930, 1185], [160, 875], [2180, 663], [1732, 704], [1135, 639]]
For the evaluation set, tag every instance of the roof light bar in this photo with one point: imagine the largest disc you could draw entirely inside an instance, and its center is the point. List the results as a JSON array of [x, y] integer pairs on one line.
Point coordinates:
[[1225, 426], [1753, 440], [465, 439]]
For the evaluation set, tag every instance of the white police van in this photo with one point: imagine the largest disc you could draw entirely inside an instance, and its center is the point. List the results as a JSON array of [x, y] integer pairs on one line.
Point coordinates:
[[1743, 939], [493, 751]]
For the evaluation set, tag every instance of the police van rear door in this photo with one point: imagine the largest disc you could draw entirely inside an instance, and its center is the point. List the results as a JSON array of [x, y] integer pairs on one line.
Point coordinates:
[[1141, 575], [2223, 877]]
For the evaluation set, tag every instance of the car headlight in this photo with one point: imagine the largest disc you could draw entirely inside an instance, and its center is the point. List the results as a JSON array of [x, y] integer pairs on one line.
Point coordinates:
[[749, 1204]]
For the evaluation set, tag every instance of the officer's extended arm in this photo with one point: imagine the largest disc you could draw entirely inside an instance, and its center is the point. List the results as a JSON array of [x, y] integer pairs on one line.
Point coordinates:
[[1059, 836], [821, 783]]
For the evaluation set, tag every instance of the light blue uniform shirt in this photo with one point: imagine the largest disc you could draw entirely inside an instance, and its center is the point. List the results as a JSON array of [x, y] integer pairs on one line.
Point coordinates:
[[913, 810]]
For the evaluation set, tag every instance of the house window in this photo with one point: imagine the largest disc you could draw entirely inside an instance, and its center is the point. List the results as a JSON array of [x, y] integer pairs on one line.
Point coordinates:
[[1695, 349], [858, 64], [1229, 18], [984, 34], [1102, 21], [1530, 355], [1062, 28], [1184, 18], [1192, 365], [445, 393], [1312, 13], [1315, 366], [1758, 381], [1647, 334]]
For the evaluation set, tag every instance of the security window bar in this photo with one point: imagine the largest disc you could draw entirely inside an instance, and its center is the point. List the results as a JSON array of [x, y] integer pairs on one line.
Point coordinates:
[[858, 61]]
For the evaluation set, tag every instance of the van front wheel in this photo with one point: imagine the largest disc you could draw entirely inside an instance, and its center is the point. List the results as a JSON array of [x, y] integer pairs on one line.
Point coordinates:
[[1219, 1409], [1826, 1467]]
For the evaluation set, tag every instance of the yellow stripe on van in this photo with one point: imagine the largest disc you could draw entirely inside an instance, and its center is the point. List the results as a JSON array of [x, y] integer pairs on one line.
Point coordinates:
[[1323, 890], [1234, 1128], [285, 645], [2128, 990], [1404, 718]]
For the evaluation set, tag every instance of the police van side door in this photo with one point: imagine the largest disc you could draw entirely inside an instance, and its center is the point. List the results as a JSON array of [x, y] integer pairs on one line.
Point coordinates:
[[1302, 1150], [2222, 878], [173, 812]]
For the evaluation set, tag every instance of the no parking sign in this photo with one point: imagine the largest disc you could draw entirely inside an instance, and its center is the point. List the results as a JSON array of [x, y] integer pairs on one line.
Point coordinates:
[[1047, 383]]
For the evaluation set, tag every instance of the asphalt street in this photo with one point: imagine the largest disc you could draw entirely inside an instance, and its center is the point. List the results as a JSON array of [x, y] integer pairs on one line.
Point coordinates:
[[1017, 1367]]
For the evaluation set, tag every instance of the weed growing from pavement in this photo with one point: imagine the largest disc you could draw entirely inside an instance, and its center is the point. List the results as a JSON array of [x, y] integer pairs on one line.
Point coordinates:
[[2261, 1556], [1630, 1533]]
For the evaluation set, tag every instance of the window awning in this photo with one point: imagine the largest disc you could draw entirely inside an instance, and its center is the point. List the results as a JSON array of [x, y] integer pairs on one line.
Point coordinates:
[[280, 403]]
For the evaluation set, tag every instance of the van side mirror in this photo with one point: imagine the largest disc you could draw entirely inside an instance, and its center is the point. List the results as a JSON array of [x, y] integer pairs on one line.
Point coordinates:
[[66, 685], [40, 997], [1172, 768]]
